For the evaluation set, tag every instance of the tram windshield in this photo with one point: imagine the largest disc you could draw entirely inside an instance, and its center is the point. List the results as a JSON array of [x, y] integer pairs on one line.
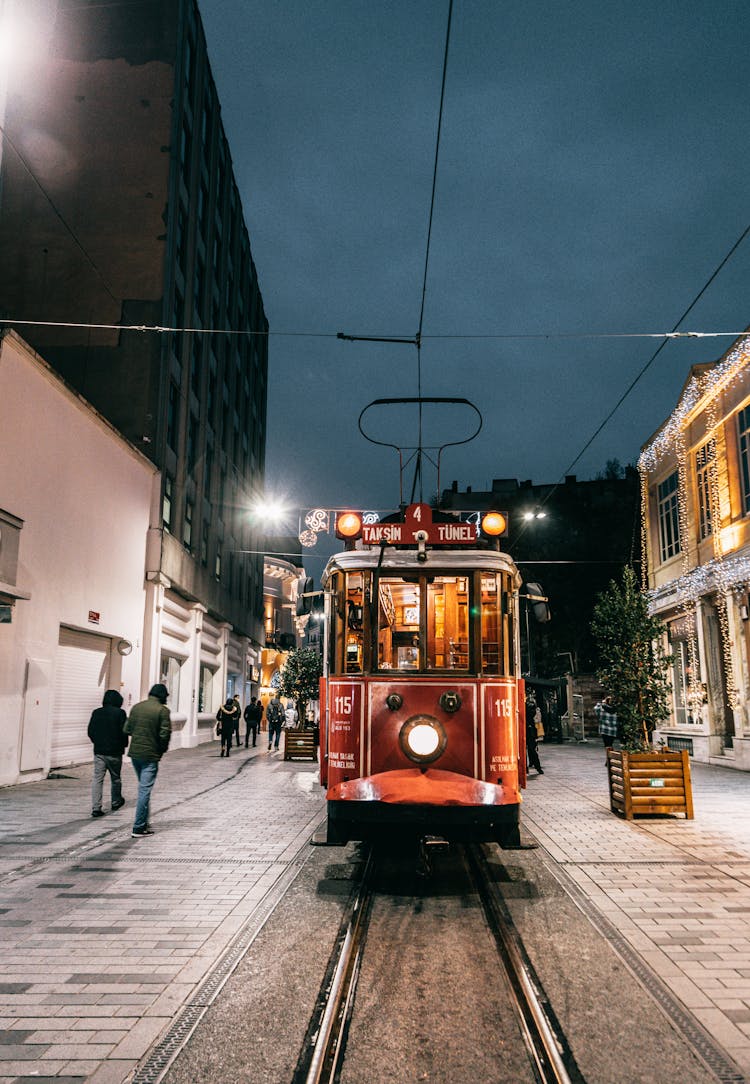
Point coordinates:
[[422, 623]]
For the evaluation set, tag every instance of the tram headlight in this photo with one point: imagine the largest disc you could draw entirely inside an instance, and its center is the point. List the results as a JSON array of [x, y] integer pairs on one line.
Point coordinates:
[[423, 739]]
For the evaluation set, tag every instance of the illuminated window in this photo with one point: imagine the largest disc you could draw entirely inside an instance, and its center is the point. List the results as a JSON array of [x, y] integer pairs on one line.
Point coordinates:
[[448, 623], [497, 624], [705, 459], [441, 640], [743, 431], [669, 523]]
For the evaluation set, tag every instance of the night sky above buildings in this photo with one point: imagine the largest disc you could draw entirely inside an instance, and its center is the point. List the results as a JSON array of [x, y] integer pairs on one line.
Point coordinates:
[[592, 176]]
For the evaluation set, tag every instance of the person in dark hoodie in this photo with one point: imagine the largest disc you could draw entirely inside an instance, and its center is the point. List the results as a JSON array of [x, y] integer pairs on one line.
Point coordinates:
[[105, 731], [227, 721], [150, 729]]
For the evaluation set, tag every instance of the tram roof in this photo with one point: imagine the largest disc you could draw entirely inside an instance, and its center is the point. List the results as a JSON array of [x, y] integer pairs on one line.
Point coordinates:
[[399, 560]]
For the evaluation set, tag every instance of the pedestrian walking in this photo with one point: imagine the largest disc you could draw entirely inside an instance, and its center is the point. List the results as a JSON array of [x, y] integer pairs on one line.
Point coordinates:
[[532, 751], [237, 720], [290, 715], [276, 716], [150, 729], [110, 742], [607, 718], [227, 719], [253, 716]]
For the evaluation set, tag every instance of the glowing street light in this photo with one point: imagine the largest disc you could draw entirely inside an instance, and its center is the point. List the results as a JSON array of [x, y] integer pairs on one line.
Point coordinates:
[[270, 510]]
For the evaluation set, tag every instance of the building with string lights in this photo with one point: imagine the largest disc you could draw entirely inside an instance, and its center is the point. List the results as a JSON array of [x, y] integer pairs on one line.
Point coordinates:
[[127, 267], [695, 493]]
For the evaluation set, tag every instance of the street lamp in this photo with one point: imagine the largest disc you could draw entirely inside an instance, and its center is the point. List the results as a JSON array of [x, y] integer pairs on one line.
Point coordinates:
[[270, 510]]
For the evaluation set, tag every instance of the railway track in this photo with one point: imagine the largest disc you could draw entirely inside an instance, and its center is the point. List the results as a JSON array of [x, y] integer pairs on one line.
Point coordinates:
[[323, 1058]]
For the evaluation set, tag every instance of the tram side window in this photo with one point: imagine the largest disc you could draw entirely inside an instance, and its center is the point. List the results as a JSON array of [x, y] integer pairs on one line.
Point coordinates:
[[354, 645], [338, 610], [495, 638], [448, 623], [347, 623], [398, 624]]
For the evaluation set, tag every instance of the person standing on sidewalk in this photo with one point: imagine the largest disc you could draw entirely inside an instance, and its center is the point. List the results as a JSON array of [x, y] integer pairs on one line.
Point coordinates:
[[532, 751], [253, 716], [105, 731], [236, 701], [227, 721], [150, 729], [607, 717], [275, 716]]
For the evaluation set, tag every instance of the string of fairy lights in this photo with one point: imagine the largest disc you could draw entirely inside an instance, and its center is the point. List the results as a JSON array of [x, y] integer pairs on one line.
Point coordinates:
[[725, 575]]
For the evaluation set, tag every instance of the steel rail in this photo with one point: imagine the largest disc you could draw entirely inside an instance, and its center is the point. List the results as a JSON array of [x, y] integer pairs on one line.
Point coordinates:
[[319, 1062], [549, 1051]]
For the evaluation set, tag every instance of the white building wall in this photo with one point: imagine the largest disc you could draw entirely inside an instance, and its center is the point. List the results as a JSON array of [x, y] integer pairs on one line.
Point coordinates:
[[84, 495]]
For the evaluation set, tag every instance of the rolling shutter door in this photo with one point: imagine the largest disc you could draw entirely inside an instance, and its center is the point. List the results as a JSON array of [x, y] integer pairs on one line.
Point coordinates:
[[81, 679]]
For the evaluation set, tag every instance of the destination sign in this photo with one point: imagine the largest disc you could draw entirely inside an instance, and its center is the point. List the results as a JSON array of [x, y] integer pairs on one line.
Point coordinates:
[[418, 526]]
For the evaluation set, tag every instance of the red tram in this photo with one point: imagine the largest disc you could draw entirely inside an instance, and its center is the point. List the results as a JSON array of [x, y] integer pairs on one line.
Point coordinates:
[[422, 703]]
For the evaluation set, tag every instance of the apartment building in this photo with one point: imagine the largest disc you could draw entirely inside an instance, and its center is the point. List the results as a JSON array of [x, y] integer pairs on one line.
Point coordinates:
[[695, 487]]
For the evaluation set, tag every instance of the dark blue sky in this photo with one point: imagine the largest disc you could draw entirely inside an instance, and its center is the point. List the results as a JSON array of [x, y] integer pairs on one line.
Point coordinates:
[[592, 176]]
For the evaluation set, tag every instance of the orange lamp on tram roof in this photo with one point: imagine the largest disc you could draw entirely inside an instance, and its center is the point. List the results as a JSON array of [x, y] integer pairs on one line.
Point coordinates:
[[348, 526], [494, 524]]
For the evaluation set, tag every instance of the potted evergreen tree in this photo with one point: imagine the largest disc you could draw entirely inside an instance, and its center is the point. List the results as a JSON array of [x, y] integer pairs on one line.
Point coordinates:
[[300, 680], [634, 668]]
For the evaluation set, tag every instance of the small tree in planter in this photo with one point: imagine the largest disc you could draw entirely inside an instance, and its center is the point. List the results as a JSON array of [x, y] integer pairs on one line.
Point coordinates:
[[633, 666], [300, 677]]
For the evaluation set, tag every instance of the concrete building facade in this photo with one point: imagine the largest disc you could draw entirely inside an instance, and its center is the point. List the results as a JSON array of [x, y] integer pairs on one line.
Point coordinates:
[[77, 498], [127, 266]]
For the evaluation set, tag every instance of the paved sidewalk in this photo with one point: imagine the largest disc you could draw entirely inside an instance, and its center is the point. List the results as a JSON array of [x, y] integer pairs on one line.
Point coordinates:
[[676, 891], [104, 939]]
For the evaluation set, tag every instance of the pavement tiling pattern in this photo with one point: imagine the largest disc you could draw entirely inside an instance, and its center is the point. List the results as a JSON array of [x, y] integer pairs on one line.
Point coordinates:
[[104, 939], [677, 890]]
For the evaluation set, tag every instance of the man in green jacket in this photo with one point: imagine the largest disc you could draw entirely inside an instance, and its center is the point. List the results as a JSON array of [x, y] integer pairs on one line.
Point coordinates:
[[150, 729]]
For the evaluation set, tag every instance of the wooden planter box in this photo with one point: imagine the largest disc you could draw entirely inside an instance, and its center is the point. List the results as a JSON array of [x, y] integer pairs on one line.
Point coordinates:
[[649, 783], [299, 745]]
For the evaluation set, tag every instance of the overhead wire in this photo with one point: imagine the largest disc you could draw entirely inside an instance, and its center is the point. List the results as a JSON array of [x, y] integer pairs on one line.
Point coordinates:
[[645, 369], [418, 468], [551, 336], [420, 336]]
